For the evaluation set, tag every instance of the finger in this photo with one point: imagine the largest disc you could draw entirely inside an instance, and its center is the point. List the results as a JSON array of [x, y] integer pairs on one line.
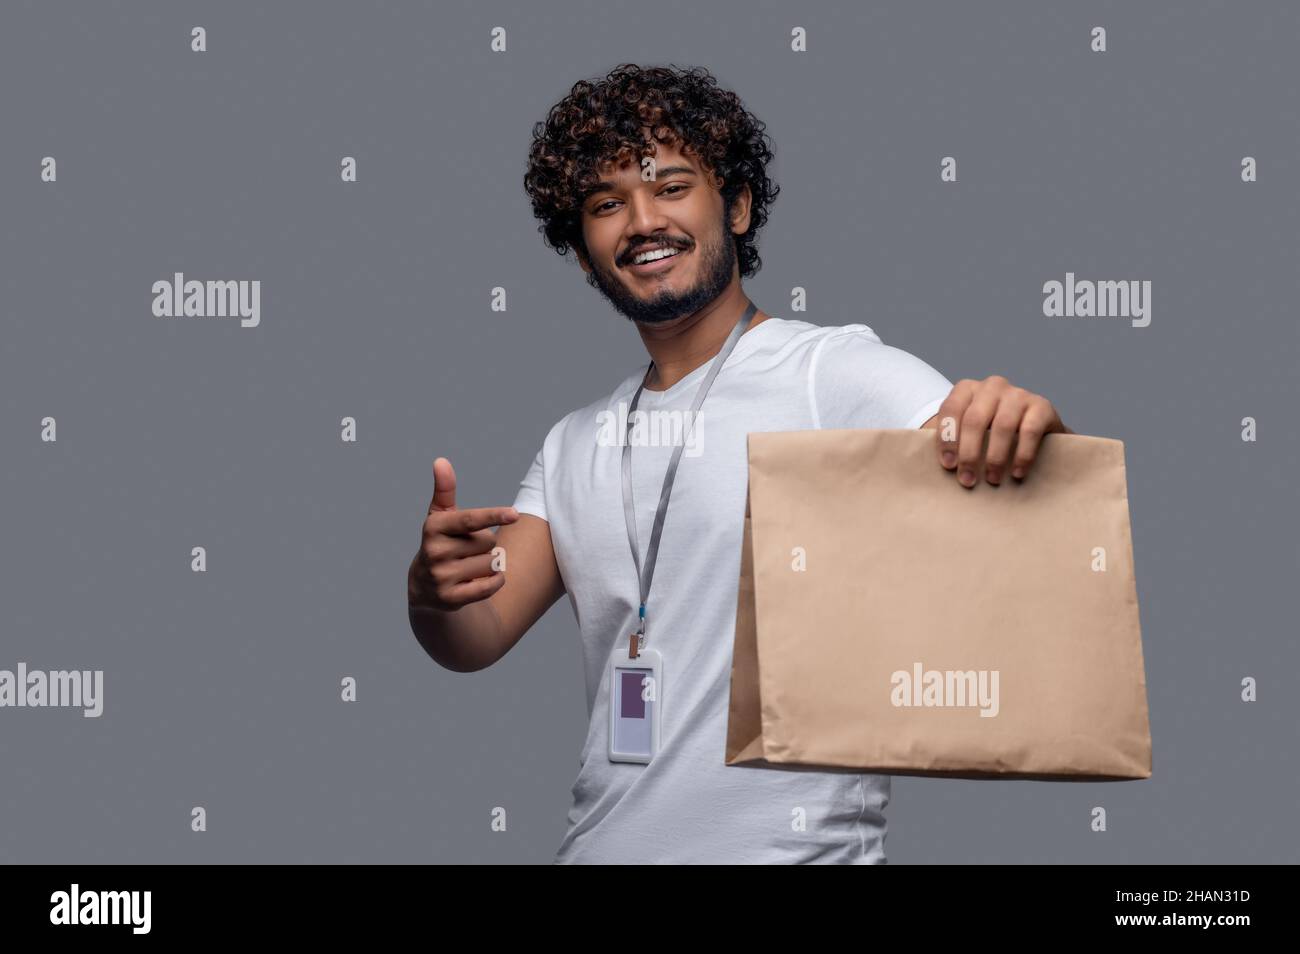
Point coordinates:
[[1002, 435], [476, 590], [970, 445], [444, 486], [950, 413], [465, 522], [1036, 421], [447, 573], [441, 546]]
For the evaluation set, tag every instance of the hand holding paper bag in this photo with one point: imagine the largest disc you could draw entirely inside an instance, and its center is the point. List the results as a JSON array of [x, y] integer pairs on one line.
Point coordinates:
[[890, 620]]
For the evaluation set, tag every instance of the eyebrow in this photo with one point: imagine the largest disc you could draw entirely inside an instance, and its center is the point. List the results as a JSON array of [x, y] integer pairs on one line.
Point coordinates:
[[606, 185]]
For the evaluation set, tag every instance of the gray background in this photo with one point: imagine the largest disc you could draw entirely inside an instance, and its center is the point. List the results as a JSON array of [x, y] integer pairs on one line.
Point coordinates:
[[222, 689]]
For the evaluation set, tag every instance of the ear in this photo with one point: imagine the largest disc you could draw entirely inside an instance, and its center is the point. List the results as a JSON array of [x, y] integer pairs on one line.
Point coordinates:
[[740, 210], [582, 260]]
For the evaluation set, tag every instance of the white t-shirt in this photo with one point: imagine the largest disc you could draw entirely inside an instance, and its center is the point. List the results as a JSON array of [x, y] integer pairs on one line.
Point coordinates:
[[686, 805]]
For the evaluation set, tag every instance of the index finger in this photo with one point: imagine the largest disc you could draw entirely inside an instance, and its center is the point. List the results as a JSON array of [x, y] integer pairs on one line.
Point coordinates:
[[462, 522], [950, 415]]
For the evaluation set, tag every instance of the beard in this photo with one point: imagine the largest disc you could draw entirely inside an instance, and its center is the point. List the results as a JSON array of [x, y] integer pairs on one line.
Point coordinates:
[[716, 264]]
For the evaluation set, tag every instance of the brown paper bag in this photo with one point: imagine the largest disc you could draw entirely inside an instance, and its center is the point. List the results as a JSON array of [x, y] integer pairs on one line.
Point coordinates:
[[921, 605]]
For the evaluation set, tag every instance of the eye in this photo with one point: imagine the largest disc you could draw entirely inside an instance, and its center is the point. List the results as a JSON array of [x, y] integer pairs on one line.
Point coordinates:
[[671, 190]]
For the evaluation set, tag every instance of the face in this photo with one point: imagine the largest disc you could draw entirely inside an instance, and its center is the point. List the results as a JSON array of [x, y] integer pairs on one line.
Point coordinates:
[[682, 208]]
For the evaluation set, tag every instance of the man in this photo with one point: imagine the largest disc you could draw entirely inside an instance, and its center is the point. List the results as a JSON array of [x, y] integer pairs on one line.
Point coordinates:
[[658, 180]]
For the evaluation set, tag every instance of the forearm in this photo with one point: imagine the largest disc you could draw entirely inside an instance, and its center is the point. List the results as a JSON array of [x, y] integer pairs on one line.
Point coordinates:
[[463, 640]]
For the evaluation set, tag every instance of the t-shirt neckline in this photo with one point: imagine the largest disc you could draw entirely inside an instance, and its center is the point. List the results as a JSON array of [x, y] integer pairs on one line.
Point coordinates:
[[743, 345]]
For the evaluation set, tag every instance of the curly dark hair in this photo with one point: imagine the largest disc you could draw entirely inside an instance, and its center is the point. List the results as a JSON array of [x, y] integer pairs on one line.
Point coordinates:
[[604, 121]]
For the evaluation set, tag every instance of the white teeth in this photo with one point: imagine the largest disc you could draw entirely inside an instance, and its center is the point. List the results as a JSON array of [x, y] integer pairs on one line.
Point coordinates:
[[653, 256]]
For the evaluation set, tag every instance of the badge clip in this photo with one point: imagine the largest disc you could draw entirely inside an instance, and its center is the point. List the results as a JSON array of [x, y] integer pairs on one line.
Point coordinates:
[[635, 640]]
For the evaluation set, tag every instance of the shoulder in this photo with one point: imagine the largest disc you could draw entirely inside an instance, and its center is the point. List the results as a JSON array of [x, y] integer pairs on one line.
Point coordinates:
[[852, 341], [804, 334], [856, 333], [810, 347], [809, 340], [793, 343], [849, 349], [855, 380]]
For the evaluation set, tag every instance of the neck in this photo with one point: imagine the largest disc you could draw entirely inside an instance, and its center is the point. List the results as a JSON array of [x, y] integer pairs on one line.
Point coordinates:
[[679, 347]]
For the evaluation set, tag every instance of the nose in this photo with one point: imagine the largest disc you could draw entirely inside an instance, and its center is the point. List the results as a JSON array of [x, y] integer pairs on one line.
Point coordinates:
[[645, 220]]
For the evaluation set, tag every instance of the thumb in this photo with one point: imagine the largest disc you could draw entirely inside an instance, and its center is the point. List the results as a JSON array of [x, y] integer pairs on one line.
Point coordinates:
[[444, 486]]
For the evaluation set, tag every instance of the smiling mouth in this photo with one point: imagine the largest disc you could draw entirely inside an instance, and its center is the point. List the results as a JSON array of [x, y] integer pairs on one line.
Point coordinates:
[[660, 264]]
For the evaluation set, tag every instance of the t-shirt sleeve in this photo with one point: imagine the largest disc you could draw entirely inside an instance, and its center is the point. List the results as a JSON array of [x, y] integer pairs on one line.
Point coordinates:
[[531, 497], [857, 381]]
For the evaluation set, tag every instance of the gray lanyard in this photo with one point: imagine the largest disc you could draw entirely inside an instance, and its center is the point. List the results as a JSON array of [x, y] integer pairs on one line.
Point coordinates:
[[629, 513]]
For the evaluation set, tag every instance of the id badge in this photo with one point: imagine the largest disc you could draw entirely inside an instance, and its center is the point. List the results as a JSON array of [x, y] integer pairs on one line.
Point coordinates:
[[636, 688]]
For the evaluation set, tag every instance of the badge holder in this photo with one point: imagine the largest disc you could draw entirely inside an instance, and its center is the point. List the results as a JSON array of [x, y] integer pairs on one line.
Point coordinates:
[[635, 693]]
